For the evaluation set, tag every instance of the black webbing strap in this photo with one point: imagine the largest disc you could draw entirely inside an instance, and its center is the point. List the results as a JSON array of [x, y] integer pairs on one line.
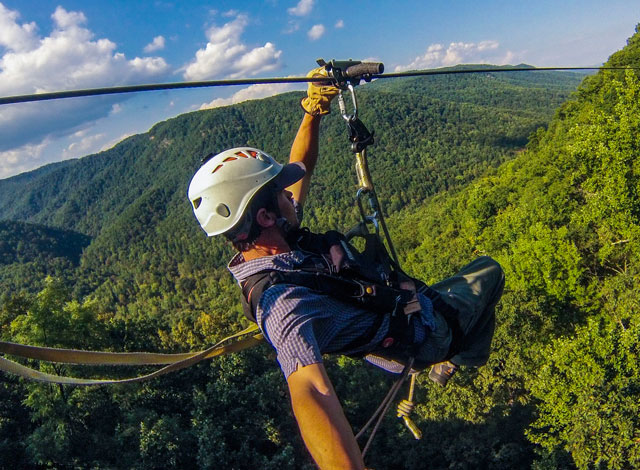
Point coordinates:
[[252, 289], [382, 300], [368, 295]]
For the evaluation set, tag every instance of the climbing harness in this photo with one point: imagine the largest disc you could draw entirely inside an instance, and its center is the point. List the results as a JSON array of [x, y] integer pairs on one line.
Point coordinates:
[[364, 280], [347, 75]]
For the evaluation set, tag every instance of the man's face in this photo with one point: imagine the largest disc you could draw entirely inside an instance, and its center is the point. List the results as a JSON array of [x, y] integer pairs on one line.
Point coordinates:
[[287, 210]]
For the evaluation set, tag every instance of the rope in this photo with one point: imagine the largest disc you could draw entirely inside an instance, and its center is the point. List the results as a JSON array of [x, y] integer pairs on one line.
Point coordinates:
[[383, 407], [405, 408]]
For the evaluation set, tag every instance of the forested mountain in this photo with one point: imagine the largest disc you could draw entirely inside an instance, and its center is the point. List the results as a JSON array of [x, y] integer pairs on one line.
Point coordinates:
[[563, 220], [561, 216], [29, 253]]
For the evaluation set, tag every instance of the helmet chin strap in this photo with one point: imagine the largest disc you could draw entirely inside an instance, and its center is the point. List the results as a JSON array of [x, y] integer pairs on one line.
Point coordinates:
[[246, 230], [284, 225], [242, 230]]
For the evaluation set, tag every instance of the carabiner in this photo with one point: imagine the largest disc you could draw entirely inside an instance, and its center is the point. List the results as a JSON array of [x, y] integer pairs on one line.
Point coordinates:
[[343, 109]]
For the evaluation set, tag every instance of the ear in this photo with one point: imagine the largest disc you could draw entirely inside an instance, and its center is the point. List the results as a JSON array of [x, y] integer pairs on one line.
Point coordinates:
[[265, 218]]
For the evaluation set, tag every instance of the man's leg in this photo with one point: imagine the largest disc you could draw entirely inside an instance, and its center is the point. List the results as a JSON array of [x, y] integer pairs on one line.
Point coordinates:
[[474, 292]]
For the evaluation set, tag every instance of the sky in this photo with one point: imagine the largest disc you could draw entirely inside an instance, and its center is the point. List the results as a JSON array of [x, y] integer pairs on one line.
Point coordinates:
[[74, 44]]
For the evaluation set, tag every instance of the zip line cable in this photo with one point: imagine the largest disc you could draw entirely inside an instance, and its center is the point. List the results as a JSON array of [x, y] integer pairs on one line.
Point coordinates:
[[265, 81]]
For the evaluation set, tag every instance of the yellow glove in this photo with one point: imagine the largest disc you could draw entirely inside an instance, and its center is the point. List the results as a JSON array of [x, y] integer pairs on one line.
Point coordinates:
[[319, 94]]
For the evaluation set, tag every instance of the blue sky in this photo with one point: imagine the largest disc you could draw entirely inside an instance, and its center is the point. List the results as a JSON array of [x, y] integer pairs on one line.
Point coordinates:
[[68, 44]]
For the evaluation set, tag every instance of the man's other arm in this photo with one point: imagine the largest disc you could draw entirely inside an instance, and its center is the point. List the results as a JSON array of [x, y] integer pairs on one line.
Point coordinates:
[[305, 150], [323, 425]]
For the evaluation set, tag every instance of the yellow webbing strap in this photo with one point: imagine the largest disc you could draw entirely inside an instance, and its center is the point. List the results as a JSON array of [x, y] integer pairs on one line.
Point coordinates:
[[78, 356], [175, 361]]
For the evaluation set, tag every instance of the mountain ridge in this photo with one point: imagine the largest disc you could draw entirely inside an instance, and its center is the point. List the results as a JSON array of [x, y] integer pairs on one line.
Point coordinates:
[[52, 194]]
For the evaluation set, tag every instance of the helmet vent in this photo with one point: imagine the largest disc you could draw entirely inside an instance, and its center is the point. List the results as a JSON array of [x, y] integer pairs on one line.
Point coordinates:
[[197, 202], [223, 210], [229, 159], [216, 168]]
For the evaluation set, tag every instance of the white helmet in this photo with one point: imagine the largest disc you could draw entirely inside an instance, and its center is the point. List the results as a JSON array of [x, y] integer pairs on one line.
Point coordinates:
[[221, 190]]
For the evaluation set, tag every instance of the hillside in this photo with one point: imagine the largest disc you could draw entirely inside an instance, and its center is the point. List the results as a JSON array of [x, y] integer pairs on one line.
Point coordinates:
[[29, 253], [24, 243], [560, 215], [562, 218]]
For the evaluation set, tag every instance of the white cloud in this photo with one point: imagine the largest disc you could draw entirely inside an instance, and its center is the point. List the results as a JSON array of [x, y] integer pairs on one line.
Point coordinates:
[[316, 32], [13, 36], [70, 57], [437, 55], [156, 45], [253, 92], [339, 24], [68, 19], [303, 8], [86, 144], [24, 158], [226, 56]]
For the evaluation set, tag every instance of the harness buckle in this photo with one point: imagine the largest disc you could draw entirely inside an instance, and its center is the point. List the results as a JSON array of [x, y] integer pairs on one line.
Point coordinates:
[[366, 290], [413, 306]]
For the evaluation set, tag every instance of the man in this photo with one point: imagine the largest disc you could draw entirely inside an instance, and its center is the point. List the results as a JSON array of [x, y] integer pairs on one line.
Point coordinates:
[[256, 203]]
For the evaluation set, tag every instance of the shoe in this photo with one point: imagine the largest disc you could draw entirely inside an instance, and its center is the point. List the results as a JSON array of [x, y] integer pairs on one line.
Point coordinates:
[[441, 373]]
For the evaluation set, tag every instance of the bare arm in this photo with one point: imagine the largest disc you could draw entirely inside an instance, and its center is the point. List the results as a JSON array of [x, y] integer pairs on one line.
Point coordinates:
[[323, 425], [305, 150]]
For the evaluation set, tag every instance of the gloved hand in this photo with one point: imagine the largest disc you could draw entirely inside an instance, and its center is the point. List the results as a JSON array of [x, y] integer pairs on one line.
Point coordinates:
[[319, 94]]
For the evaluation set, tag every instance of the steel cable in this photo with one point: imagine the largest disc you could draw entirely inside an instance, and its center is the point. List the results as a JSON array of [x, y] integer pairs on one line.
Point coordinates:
[[264, 81]]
